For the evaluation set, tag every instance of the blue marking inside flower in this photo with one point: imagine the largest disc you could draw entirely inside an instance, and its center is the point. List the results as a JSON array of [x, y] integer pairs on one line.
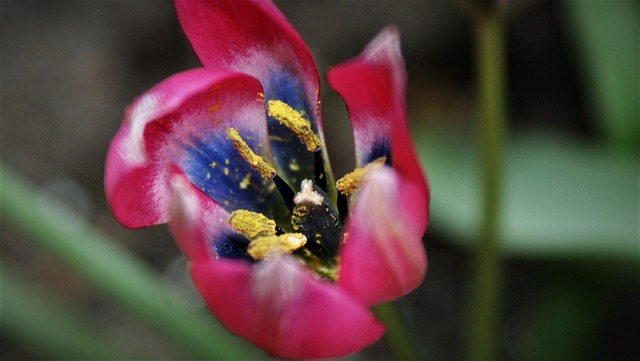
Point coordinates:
[[379, 148], [214, 166], [294, 162], [233, 246]]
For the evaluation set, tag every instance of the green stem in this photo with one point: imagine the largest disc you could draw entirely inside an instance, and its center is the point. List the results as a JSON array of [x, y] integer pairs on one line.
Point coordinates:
[[486, 287], [115, 271], [398, 337]]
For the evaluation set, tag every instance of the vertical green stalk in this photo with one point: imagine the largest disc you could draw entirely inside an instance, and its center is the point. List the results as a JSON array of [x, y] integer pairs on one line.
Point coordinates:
[[486, 286]]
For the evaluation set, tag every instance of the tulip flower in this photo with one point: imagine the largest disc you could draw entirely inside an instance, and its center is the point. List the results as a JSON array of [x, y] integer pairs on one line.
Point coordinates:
[[232, 156]]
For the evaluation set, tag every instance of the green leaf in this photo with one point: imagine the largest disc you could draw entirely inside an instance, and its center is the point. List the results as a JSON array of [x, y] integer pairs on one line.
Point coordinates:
[[561, 198], [607, 40]]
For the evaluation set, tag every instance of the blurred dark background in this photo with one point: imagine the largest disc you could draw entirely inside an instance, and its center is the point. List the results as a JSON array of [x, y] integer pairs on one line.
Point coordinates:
[[69, 68]]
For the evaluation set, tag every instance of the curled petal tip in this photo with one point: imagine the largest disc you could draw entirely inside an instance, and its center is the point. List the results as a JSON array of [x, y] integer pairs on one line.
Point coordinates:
[[184, 204], [373, 86], [196, 221], [385, 44], [186, 216]]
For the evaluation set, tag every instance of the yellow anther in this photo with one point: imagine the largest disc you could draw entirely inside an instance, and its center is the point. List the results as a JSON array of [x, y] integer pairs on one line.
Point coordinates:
[[295, 121], [255, 161], [252, 224], [263, 246], [351, 181]]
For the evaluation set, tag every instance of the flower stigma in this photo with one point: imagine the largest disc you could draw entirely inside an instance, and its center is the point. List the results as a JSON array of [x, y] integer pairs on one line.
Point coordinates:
[[307, 194]]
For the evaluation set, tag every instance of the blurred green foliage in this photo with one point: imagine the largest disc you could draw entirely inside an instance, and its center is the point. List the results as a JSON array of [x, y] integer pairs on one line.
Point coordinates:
[[562, 200], [570, 201], [607, 40]]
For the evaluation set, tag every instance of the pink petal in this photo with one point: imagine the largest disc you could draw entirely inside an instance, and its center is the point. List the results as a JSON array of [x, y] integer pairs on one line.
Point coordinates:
[[373, 86], [140, 154], [196, 220], [383, 257], [253, 37], [249, 36], [279, 306]]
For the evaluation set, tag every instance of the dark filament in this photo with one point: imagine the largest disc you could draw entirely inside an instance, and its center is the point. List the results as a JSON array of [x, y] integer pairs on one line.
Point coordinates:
[[343, 207], [285, 191], [319, 174]]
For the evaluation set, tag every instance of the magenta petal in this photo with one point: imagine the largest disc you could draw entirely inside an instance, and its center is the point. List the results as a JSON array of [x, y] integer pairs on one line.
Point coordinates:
[[383, 257], [390, 213], [140, 154], [279, 306], [253, 37], [373, 86], [249, 36]]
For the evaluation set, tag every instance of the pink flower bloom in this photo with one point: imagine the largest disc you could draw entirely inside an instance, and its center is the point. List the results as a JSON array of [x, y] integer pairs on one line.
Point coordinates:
[[232, 157]]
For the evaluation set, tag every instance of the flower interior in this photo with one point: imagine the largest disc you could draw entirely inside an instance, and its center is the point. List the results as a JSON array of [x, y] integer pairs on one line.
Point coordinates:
[[312, 228]]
